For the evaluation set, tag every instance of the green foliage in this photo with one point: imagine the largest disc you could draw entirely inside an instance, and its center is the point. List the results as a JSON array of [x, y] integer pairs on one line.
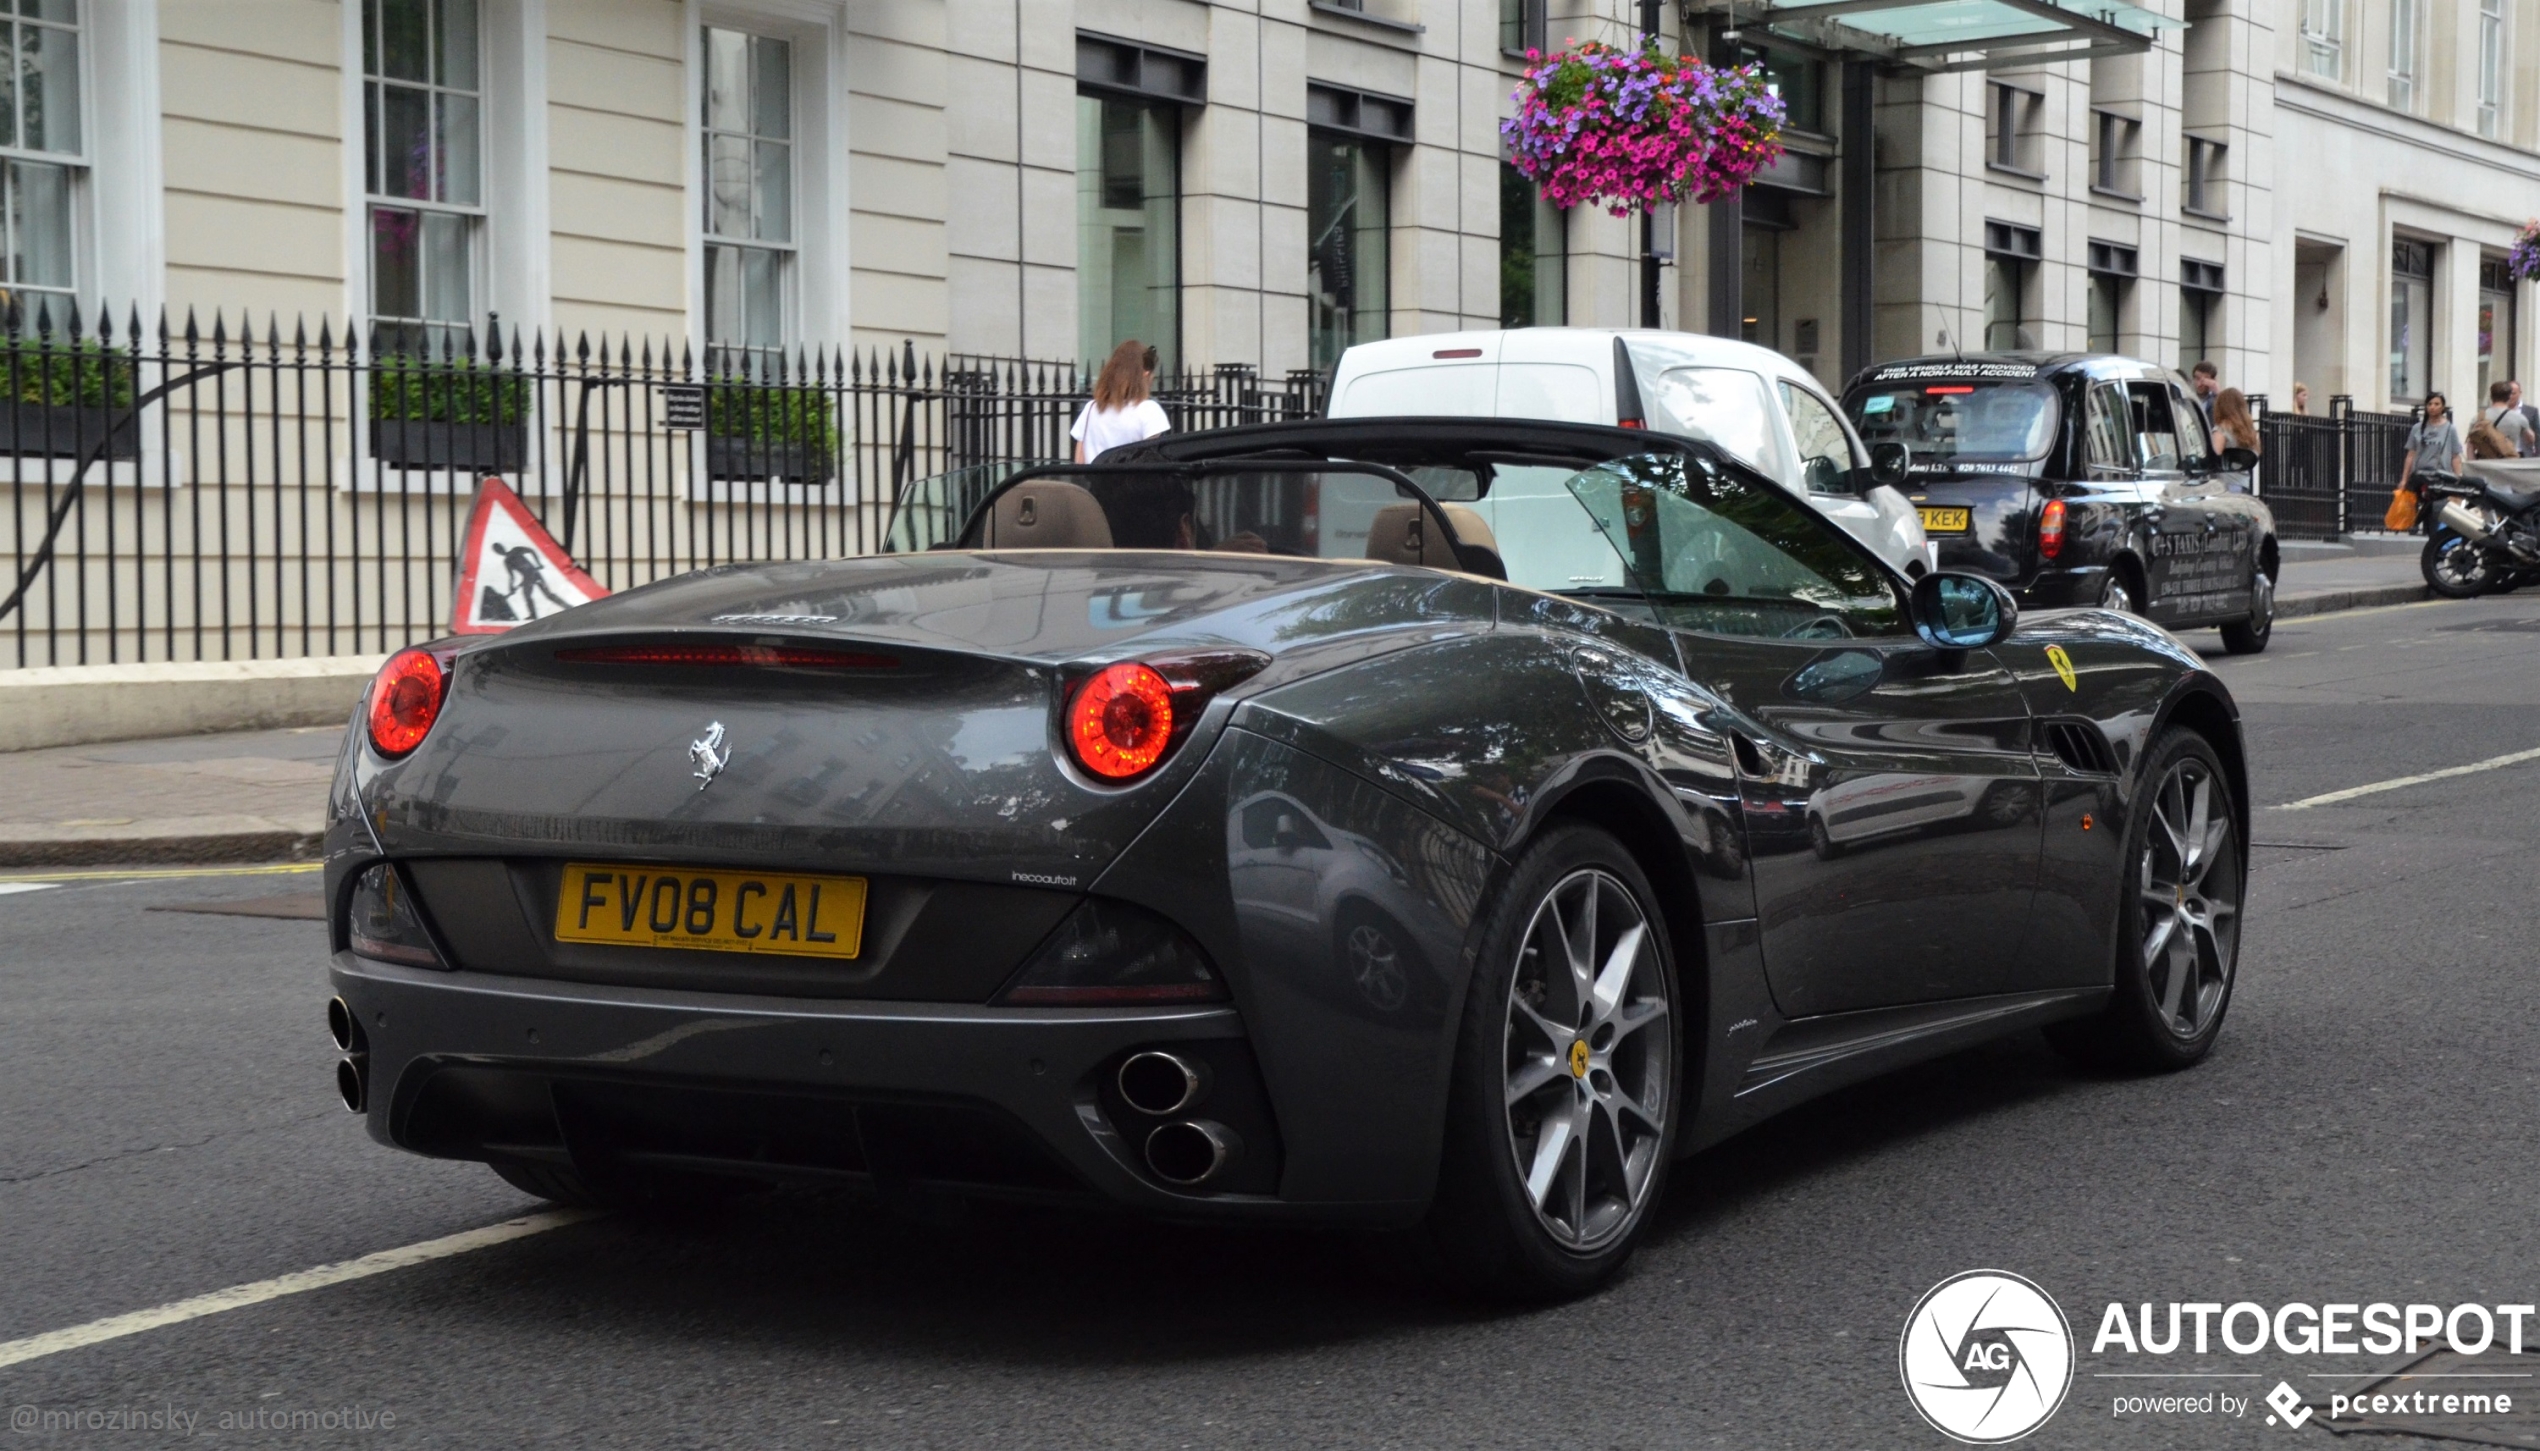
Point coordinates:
[[760, 413], [460, 390], [57, 373]]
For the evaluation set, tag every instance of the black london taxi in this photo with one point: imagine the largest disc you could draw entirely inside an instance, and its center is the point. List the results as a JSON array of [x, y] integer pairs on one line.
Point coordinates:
[[2078, 479]]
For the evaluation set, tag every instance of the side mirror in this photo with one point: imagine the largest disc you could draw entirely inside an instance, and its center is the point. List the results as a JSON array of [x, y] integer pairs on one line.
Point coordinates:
[[1955, 611], [1890, 463], [2239, 459]]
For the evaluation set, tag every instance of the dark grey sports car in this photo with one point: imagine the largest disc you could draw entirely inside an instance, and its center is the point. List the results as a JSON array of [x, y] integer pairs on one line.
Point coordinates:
[[1434, 825]]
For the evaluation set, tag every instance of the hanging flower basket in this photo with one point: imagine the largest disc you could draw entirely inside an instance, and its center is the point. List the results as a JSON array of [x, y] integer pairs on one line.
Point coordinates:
[[1628, 129], [2524, 260]]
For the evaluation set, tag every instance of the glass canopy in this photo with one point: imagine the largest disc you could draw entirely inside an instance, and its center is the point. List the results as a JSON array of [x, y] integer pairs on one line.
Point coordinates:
[[1919, 29]]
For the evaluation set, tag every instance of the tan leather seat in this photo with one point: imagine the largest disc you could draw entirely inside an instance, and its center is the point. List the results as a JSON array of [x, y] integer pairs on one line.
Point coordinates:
[[1404, 534], [1047, 514]]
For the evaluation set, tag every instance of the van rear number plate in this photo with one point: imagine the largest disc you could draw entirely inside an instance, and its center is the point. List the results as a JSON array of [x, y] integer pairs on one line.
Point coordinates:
[[1946, 521], [711, 911]]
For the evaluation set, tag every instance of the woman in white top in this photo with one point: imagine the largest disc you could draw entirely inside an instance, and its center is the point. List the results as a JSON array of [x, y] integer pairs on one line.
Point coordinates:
[[1121, 412]]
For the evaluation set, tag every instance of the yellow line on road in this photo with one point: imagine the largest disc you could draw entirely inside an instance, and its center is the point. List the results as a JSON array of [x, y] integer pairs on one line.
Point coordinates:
[[237, 1297], [2350, 793], [137, 874]]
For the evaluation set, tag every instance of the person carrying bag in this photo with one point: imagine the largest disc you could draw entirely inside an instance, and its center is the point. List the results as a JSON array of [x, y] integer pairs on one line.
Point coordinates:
[[2433, 446]]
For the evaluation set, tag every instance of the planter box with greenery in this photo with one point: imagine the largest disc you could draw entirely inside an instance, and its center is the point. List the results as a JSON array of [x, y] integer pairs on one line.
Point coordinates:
[[459, 414], [57, 399], [755, 431]]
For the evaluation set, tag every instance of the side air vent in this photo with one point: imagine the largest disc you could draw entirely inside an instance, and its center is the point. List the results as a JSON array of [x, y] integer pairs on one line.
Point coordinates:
[[2081, 747]]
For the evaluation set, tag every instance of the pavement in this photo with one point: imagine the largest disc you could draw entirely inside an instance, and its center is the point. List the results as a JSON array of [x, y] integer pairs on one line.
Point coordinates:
[[2360, 1134], [260, 795]]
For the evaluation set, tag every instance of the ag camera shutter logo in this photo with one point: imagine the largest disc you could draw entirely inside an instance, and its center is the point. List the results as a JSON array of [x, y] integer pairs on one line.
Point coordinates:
[[1987, 1357]]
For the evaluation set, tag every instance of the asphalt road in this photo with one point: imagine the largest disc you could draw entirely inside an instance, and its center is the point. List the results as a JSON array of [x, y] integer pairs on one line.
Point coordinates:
[[2363, 1133]]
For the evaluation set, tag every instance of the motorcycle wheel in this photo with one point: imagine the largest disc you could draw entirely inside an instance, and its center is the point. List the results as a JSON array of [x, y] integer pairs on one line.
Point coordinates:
[[2455, 568]]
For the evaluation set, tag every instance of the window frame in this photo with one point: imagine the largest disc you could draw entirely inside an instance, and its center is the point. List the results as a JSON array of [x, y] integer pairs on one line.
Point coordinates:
[[2407, 25], [755, 357], [2205, 179], [2324, 41], [2012, 115], [2493, 51], [1174, 119], [2116, 155], [78, 167], [1385, 158], [432, 335]]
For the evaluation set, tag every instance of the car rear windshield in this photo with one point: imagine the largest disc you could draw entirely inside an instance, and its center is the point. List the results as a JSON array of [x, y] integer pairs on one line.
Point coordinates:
[[1971, 419]]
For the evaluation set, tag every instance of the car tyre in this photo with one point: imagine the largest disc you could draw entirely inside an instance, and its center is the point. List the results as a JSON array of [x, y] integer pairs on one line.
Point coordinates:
[[2117, 592], [2250, 636], [2178, 918], [1552, 1162]]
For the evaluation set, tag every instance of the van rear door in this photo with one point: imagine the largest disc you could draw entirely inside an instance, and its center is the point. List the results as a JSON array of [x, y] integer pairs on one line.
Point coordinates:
[[1448, 376]]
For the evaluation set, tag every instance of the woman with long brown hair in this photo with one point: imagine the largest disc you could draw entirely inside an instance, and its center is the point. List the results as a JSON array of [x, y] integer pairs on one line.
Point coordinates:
[[1120, 412], [2233, 427]]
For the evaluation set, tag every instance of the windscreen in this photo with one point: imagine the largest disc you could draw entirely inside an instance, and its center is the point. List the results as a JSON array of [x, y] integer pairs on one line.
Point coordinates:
[[1321, 513], [1962, 419]]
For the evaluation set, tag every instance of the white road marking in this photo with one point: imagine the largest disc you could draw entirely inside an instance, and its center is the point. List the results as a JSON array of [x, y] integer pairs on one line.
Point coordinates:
[[6, 888], [2350, 793], [115, 1327]]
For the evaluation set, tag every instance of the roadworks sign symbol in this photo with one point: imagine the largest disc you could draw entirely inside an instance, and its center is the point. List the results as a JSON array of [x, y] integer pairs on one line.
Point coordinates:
[[511, 571], [2063, 664]]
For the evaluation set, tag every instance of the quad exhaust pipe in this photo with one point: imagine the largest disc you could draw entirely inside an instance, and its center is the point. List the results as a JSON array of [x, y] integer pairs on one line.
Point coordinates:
[[352, 1071], [1162, 1084], [1187, 1152]]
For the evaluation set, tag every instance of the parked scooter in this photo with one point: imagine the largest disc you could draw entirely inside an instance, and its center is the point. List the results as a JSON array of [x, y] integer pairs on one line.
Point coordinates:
[[2482, 537]]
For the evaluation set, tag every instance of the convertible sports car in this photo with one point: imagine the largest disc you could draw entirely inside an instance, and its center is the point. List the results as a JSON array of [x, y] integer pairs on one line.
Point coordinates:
[[1397, 822]]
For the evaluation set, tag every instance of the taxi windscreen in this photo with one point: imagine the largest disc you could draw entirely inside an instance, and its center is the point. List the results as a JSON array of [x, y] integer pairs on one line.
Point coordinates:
[[1964, 419]]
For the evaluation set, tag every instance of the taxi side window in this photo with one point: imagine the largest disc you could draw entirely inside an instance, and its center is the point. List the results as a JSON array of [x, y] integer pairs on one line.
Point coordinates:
[[2107, 441], [2195, 435], [2155, 433], [1826, 462]]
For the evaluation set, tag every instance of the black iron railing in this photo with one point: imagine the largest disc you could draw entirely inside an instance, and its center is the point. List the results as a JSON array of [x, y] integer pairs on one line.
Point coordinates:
[[2325, 476], [214, 491]]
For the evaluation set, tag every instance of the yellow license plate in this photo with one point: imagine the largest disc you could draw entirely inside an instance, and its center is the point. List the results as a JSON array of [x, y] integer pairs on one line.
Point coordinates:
[[1946, 521], [711, 911]]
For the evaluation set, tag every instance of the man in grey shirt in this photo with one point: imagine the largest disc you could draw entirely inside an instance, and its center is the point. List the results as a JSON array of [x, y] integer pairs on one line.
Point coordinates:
[[2508, 420]]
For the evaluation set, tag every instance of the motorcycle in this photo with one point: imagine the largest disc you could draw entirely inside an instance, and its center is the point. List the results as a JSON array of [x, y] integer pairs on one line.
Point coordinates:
[[2481, 537]]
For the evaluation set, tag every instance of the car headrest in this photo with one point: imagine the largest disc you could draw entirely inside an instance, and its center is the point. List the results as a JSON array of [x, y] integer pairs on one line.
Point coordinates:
[[1047, 514], [1404, 534]]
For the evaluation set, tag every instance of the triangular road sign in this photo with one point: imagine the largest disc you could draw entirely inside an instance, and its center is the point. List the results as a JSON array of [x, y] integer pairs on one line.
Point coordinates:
[[511, 570]]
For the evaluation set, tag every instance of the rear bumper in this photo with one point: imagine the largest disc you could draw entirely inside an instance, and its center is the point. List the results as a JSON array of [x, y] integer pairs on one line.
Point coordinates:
[[2052, 589], [1000, 1101]]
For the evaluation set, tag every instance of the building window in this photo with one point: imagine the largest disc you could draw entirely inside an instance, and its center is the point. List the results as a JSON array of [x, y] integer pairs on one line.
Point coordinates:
[[2011, 126], [41, 181], [1349, 144], [423, 165], [2200, 295], [2112, 272], [2010, 261], [2404, 24], [2324, 38], [2411, 320], [747, 117], [1128, 220], [1521, 26], [2204, 179], [1798, 81], [2495, 322], [2491, 65], [2116, 155], [1533, 255]]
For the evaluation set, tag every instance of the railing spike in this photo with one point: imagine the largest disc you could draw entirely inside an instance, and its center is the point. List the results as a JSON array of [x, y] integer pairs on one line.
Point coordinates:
[[326, 336]]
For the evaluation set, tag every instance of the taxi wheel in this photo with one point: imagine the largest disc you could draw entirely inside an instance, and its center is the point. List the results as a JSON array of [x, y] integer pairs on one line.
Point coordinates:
[[2117, 592], [1561, 1116], [2249, 636]]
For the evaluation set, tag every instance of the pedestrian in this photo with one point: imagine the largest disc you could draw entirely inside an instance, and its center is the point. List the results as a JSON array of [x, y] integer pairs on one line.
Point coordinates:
[[2302, 399], [2233, 427], [2513, 431], [2529, 414], [1120, 411], [2433, 444], [2208, 381]]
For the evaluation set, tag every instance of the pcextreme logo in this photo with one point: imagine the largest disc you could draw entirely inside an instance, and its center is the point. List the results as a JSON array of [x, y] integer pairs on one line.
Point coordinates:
[[1986, 1357]]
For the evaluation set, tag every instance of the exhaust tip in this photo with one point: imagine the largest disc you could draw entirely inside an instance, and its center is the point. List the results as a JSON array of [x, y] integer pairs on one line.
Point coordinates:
[[1191, 1152], [352, 1079], [343, 1027], [1160, 1083]]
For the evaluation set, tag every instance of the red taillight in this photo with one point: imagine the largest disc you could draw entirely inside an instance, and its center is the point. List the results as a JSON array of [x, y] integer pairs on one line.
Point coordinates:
[[2050, 529], [1951, 388], [1629, 423], [404, 701], [799, 657], [1457, 353], [1121, 721]]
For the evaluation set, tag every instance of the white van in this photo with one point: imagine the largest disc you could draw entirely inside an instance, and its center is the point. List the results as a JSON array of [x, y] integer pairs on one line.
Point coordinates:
[[1751, 401]]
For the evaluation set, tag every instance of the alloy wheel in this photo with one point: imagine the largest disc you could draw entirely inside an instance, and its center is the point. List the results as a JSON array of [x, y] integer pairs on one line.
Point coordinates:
[[2115, 596], [2461, 564], [2190, 882], [1375, 965], [1588, 1081]]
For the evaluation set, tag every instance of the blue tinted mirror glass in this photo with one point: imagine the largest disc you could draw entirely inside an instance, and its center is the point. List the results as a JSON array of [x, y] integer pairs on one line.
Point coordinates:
[[1968, 616]]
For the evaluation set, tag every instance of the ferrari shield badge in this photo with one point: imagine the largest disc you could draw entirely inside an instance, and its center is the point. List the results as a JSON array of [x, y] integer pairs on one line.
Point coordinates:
[[2063, 664], [709, 755]]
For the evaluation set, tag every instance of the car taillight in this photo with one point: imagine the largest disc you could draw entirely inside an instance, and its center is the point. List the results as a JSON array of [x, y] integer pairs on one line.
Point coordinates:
[[405, 699], [1125, 718], [1121, 721], [2050, 529], [1110, 954]]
